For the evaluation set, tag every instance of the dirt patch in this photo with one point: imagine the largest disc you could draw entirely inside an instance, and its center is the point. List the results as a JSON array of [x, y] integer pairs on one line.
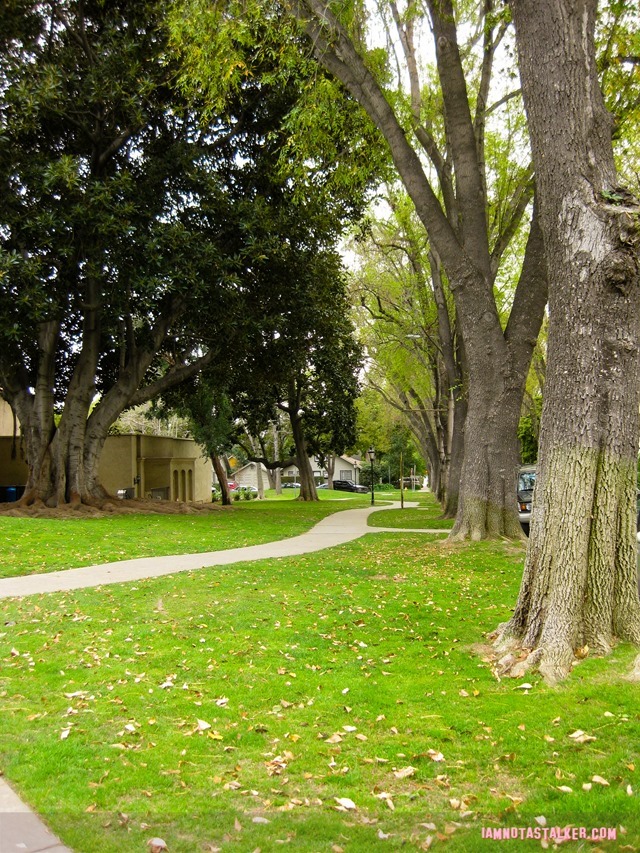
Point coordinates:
[[112, 507]]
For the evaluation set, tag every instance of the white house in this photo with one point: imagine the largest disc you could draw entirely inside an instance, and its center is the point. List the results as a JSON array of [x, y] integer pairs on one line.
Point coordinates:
[[345, 468]]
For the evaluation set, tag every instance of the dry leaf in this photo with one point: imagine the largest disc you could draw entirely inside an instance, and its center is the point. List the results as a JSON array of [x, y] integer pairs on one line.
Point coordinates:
[[630, 790], [346, 803], [404, 772], [565, 789], [599, 780], [581, 737], [203, 725], [237, 825], [524, 687], [434, 755], [259, 819], [587, 786], [335, 738], [541, 820]]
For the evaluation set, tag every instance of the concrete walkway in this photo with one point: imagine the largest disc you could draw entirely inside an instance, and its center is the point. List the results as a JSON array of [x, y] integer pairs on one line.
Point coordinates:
[[336, 529], [21, 831]]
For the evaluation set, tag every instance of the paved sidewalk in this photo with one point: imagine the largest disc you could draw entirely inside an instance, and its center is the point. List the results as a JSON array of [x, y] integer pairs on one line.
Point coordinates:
[[21, 831], [336, 529]]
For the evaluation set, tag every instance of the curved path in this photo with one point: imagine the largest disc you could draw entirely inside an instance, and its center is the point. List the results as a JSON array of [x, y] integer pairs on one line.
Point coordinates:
[[22, 830], [336, 529]]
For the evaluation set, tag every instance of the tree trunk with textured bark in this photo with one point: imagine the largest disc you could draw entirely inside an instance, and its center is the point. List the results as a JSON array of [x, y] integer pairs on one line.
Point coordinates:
[[498, 360], [579, 587], [307, 483], [221, 475]]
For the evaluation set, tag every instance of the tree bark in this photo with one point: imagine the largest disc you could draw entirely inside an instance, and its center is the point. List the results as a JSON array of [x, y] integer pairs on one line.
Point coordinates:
[[221, 474], [487, 505], [307, 484], [579, 586]]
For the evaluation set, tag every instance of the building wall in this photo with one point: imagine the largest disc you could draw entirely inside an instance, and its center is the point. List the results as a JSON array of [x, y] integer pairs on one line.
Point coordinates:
[[148, 466], [156, 467], [248, 475], [13, 472]]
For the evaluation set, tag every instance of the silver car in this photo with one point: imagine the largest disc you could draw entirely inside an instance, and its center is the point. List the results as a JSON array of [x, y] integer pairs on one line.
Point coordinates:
[[526, 482]]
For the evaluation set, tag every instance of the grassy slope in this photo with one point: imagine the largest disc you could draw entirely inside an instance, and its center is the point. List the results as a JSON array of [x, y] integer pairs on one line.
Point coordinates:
[[278, 657]]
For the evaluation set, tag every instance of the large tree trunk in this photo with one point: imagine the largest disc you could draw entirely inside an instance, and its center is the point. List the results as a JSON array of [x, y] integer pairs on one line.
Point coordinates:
[[221, 474], [307, 483], [579, 586], [458, 233], [487, 498], [455, 456]]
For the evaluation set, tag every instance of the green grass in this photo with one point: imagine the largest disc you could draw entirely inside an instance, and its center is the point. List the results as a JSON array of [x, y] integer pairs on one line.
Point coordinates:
[[33, 545], [375, 642], [427, 515]]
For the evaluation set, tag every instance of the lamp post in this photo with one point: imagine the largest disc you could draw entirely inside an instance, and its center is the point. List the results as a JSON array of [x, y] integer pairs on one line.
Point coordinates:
[[372, 456]]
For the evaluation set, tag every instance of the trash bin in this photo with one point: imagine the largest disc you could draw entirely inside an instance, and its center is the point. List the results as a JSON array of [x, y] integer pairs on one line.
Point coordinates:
[[12, 494]]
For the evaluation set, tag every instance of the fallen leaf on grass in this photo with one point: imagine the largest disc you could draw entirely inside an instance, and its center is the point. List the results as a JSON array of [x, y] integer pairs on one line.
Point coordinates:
[[565, 789], [404, 772], [386, 799], [203, 725], [599, 780], [434, 755], [345, 804], [581, 737]]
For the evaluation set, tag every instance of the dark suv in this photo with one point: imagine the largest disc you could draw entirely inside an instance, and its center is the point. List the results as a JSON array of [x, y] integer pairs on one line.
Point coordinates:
[[348, 486]]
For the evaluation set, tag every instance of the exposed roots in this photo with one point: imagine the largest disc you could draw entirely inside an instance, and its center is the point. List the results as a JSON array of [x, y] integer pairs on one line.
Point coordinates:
[[634, 675]]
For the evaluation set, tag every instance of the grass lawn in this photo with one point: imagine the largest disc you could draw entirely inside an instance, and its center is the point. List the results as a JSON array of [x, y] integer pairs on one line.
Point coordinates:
[[338, 701], [33, 545]]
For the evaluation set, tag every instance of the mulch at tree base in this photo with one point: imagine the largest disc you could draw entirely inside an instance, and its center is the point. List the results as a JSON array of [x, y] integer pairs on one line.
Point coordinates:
[[110, 507]]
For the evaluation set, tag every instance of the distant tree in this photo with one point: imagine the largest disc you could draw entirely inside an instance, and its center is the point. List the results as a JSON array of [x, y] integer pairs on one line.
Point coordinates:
[[127, 225]]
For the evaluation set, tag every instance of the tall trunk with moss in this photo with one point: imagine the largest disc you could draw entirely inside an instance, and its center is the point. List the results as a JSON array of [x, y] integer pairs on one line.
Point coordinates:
[[579, 587]]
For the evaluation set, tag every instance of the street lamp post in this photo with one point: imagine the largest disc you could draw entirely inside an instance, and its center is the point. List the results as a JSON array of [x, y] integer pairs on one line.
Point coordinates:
[[372, 456]]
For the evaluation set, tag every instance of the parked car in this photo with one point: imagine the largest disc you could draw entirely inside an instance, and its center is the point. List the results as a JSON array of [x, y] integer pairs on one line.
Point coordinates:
[[349, 486], [322, 486], [291, 485], [526, 482]]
